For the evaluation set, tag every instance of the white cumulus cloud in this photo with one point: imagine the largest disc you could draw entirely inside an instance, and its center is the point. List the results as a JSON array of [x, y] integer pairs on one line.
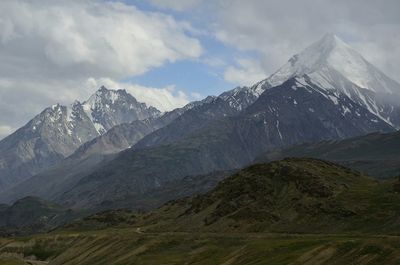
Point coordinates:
[[66, 39], [5, 130], [245, 73], [177, 5], [49, 49], [278, 29]]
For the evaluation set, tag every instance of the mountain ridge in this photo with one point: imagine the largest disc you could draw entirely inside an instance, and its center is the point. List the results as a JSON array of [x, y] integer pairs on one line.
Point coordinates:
[[59, 130], [273, 121]]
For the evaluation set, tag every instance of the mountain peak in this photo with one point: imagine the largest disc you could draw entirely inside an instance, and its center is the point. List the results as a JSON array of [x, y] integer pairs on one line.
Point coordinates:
[[331, 38], [331, 58], [322, 53], [322, 49], [103, 94], [103, 89]]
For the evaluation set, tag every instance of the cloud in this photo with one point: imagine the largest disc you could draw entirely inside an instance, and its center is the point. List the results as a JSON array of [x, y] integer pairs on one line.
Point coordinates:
[[49, 49], [197, 96], [277, 29], [5, 130], [177, 5], [88, 38], [246, 73], [164, 99]]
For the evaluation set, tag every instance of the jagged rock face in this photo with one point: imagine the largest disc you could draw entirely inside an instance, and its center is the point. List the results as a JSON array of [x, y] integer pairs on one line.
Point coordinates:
[[59, 130], [107, 108]]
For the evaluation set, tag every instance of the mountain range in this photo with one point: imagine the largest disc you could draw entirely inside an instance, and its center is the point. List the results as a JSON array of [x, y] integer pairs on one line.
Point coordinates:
[[59, 130], [326, 92]]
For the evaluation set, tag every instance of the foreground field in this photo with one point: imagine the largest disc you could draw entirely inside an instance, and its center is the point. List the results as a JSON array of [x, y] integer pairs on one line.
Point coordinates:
[[130, 246], [294, 211]]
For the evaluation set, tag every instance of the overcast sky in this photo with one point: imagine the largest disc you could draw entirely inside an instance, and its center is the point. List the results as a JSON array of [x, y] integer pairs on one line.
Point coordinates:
[[169, 52]]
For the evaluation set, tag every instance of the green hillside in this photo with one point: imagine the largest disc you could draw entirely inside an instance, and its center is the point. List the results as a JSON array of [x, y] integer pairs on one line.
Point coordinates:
[[289, 196], [294, 211]]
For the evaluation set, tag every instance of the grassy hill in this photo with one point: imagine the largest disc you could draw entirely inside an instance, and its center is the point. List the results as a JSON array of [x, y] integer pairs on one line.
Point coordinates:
[[288, 196], [294, 211]]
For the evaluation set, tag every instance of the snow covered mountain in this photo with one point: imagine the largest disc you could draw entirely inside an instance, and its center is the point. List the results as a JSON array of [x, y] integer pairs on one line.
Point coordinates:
[[107, 108], [59, 130], [330, 64], [295, 112], [53, 181], [327, 58], [333, 65]]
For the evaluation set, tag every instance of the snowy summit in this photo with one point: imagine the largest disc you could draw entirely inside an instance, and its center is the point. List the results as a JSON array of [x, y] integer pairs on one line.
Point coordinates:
[[331, 61]]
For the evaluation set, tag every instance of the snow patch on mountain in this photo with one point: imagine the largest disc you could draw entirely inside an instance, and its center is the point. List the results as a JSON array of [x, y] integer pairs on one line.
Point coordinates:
[[327, 58]]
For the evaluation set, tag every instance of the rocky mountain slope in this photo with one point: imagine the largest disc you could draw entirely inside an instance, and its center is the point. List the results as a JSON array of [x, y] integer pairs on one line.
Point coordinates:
[[59, 130], [228, 104], [55, 180]]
